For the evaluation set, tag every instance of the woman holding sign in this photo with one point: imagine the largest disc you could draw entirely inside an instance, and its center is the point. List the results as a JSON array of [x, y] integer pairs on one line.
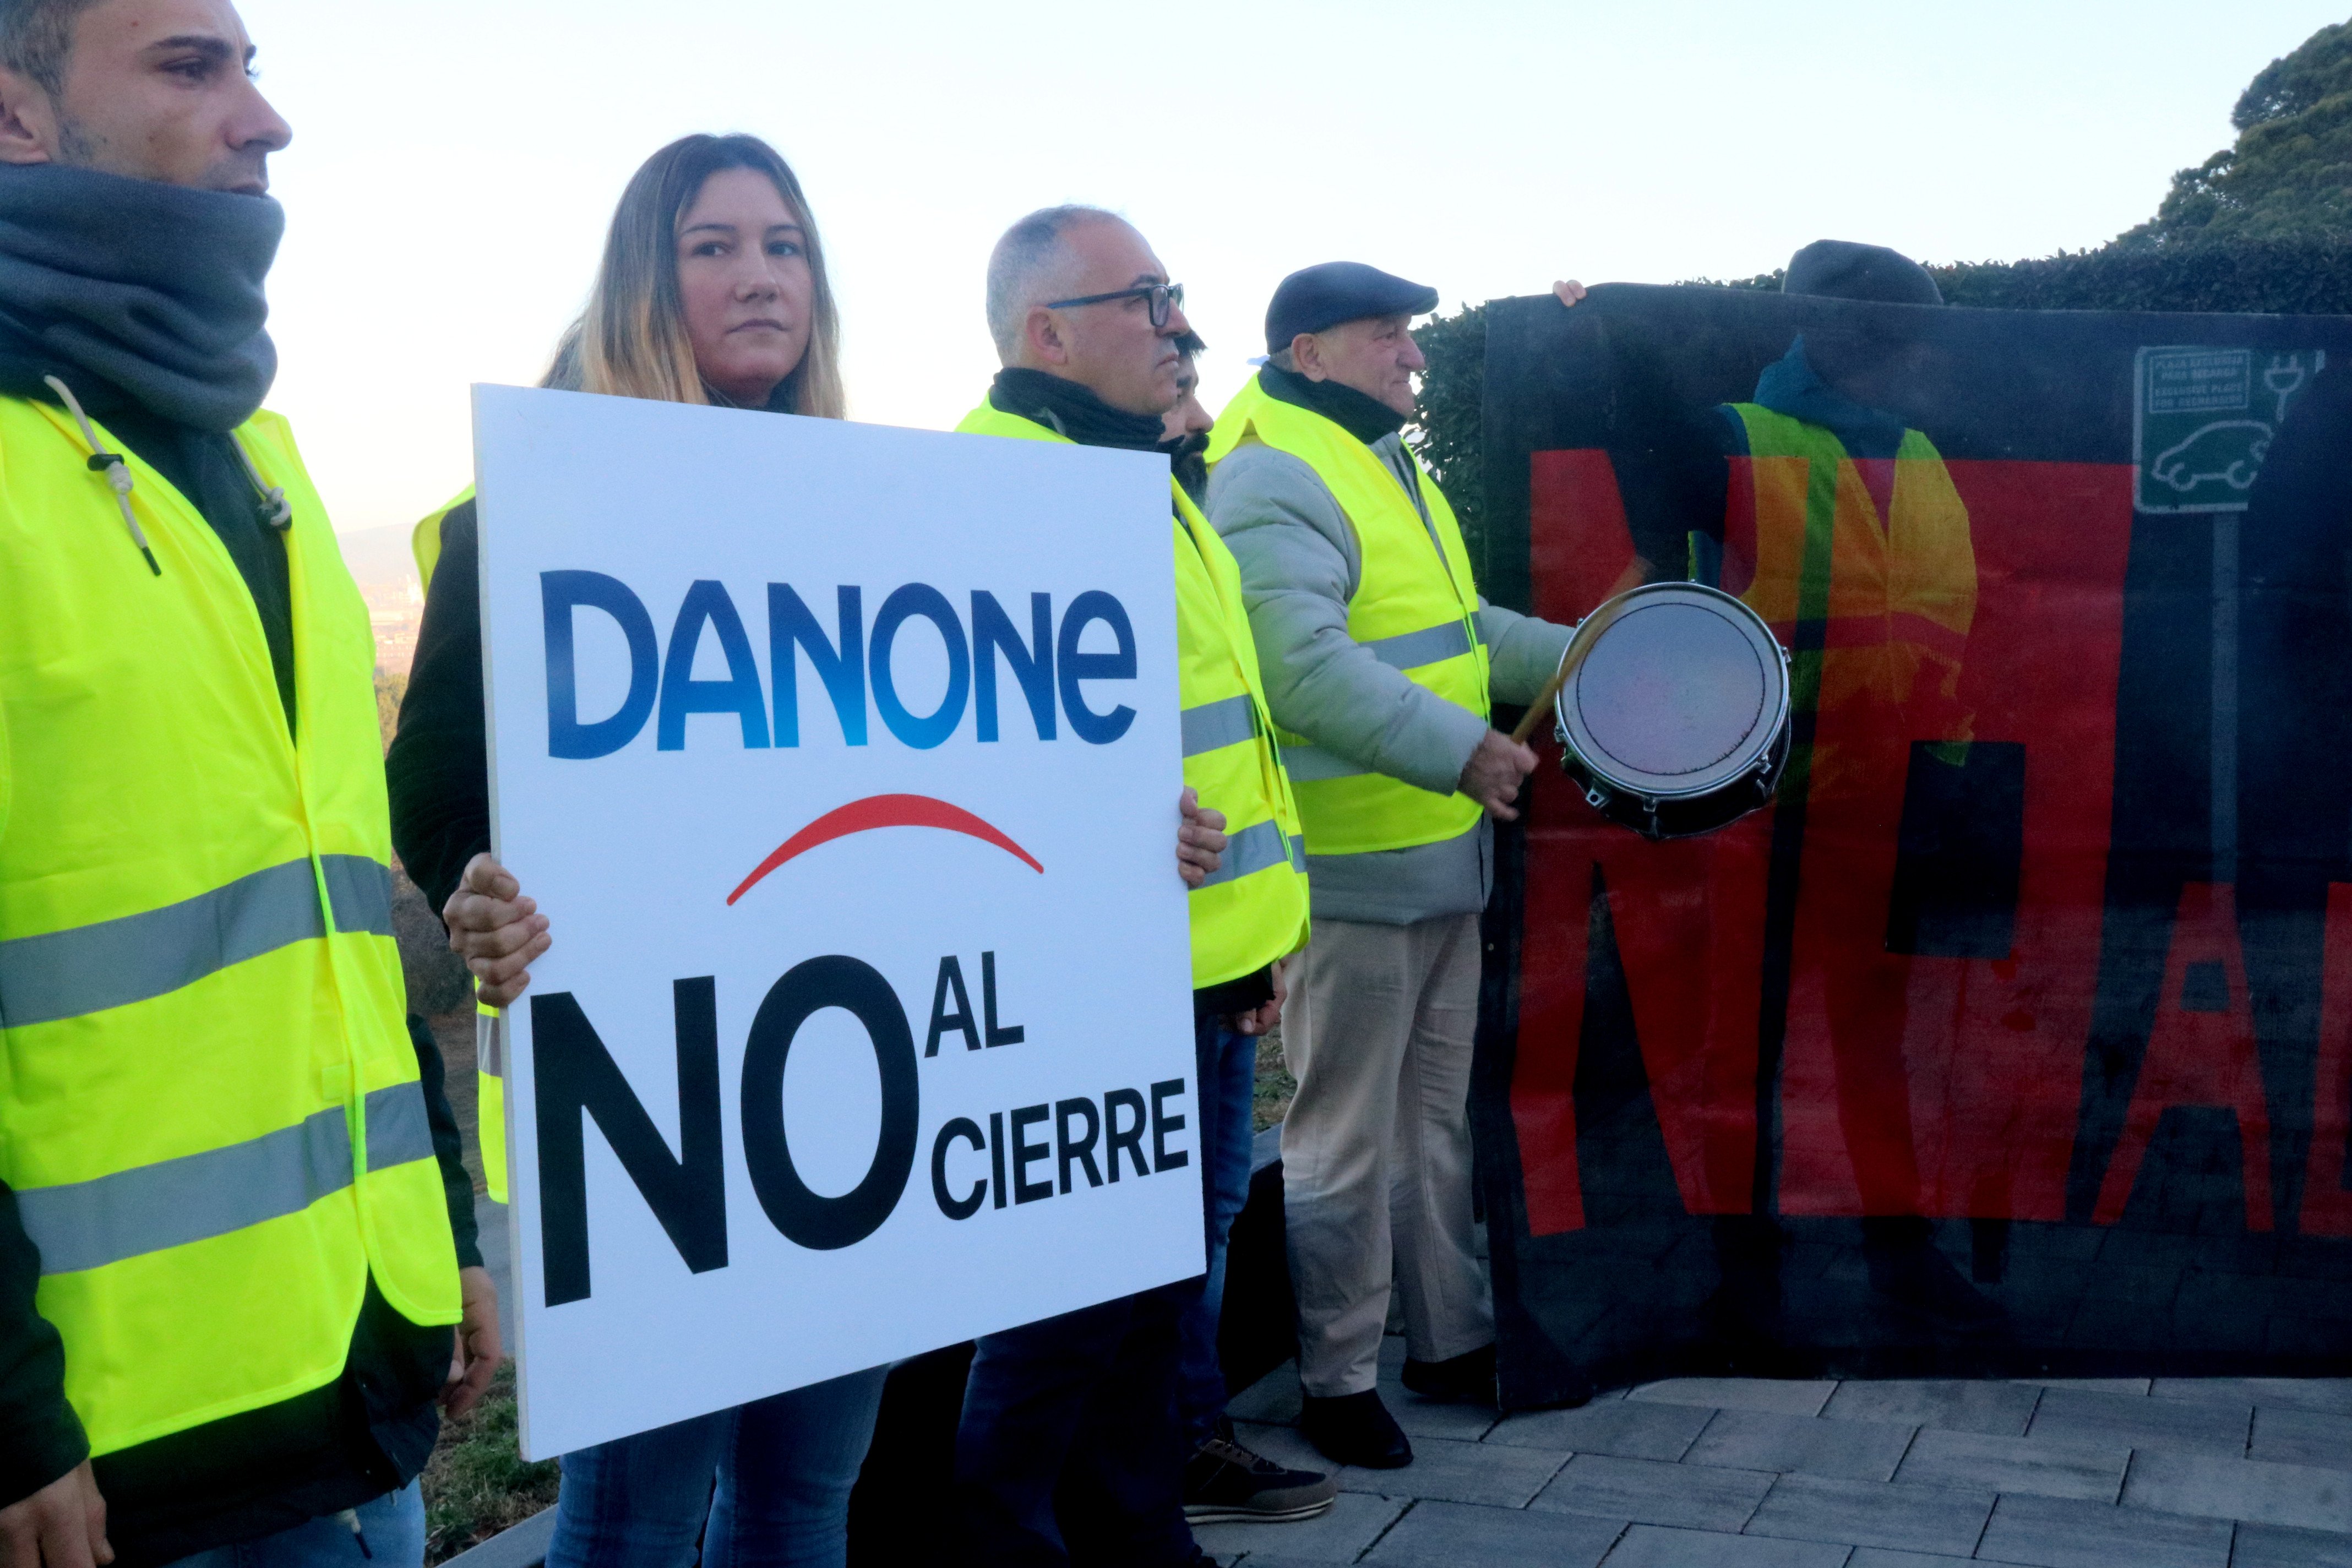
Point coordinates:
[[712, 290]]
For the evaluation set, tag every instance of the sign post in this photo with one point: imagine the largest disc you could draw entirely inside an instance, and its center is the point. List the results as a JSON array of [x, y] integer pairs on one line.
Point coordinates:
[[843, 762]]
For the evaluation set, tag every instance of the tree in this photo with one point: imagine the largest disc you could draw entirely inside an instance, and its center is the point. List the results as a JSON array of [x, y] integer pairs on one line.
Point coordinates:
[[2264, 227], [2289, 176]]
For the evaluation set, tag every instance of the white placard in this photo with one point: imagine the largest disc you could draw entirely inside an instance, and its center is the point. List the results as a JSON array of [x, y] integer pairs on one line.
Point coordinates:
[[836, 963]]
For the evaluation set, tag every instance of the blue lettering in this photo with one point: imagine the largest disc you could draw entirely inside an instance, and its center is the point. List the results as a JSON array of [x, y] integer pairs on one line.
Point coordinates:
[[681, 694], [904, 604], [842, 667], [1095, 729], [847, 662], [560, 593], [1031, 663]]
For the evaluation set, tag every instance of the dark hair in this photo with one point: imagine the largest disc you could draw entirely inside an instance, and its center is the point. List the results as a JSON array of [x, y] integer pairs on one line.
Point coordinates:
[[36, 38], [632, 341]]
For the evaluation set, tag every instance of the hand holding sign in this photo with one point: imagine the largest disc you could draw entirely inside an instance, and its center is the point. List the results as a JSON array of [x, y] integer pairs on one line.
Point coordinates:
[[497, 930], [1199, 842]]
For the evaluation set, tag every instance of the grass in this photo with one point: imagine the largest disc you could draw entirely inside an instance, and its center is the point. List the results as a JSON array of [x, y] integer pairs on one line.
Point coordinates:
[[478, 1482], [1276, 1087]]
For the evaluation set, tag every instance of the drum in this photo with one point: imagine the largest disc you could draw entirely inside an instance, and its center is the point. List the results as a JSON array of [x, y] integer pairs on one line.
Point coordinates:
[[1673, 709]]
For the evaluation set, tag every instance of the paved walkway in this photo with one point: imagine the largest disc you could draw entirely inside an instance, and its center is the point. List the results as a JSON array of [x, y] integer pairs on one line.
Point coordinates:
[[1731, 1473]]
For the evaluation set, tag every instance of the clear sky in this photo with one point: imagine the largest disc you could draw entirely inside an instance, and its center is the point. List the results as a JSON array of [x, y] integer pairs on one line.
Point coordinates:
[[454, 162]]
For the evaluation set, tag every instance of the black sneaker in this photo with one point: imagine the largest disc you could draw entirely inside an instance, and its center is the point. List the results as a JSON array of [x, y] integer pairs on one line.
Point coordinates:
[[1225, 1483], [1356, 1429], [1466, 1379]]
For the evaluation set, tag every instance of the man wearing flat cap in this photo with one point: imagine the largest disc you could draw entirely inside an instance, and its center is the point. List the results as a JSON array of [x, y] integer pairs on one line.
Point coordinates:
[[1380, 663]]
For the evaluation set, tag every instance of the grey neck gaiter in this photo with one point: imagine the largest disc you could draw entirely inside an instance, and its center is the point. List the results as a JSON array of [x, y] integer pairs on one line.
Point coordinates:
[[135, 291]]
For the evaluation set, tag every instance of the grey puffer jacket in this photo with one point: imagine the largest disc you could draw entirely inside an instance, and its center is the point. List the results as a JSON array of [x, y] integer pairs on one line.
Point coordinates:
[[1300, 565]]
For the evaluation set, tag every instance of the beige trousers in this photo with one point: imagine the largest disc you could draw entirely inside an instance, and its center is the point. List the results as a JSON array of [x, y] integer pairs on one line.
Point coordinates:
[[1376, 1150]]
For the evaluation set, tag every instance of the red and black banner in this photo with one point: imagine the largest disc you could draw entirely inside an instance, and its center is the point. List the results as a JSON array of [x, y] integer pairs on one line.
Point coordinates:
[[2022, 1041]]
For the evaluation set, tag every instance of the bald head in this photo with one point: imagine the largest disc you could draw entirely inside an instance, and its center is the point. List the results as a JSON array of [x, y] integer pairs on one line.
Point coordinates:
[[1033, 263], [1073, 291]]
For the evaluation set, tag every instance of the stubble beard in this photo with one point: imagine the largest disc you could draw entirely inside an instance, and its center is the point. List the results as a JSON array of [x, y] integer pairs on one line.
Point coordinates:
[[77, 148]]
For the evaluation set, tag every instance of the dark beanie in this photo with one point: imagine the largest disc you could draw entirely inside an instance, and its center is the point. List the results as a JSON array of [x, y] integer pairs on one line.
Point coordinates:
[[1315, 298], [1840, 269]]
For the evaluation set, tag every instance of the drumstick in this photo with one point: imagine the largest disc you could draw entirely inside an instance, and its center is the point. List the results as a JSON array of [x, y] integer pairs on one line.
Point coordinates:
[[1535, 710]]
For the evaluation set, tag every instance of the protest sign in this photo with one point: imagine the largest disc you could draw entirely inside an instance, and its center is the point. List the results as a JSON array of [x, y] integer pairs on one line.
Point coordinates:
[[2015, 1036], [844, 762]]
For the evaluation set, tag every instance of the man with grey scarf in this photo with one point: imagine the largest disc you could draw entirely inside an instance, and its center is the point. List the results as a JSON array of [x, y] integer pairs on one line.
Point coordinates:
[[234, 1233]]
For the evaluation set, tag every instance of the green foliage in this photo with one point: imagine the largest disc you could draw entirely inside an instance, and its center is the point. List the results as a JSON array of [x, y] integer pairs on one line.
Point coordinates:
[[476, 1483], [1449, 415], [2307, 275], [2264, 227], [2320, 70], [2289, 173]]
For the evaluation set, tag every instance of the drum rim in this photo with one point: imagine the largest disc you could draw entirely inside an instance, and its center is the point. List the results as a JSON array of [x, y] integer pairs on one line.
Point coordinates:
[[1757, 752]]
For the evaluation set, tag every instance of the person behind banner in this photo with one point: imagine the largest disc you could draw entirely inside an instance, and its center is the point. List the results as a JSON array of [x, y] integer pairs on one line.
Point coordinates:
[[1071, 1448], [235, 1232], [1382, 663], [1870, 580], [712, 290]]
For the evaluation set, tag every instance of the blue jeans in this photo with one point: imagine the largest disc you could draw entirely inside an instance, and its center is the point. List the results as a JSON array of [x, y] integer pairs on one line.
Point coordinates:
[[772, 1479], [1227, 1065], [392, 1523], [1068, 1451]]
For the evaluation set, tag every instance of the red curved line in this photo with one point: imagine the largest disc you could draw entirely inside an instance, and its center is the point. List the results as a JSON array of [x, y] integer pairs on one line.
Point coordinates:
[[886, 811]]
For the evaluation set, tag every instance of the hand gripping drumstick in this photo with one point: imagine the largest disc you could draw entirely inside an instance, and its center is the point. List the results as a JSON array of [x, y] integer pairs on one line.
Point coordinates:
[[1544, 700]]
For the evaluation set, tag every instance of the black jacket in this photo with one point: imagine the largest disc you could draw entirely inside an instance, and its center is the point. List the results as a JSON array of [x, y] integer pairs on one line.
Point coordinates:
[[438, 768], [367, 1433]]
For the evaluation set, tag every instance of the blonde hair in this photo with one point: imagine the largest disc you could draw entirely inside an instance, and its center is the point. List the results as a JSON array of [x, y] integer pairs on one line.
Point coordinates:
[[632, 340]]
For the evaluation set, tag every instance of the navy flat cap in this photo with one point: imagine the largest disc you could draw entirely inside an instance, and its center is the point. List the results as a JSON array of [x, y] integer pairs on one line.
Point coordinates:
[[1315, 298], [1840, 269]]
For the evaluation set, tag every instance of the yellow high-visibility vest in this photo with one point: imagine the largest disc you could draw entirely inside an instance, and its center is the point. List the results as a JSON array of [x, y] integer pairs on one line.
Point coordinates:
[[1252, 909], [424, 539], [489, 1023], [1873, 612], [210, 1112], [1415, 607]]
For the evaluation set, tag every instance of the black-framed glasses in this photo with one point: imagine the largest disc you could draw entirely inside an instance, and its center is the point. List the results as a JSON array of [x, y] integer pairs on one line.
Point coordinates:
[[1164, 298]]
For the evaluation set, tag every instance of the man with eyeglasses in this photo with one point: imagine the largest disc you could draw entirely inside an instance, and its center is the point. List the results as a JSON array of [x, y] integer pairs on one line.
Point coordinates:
[[1381, 664], [1072, 1448]]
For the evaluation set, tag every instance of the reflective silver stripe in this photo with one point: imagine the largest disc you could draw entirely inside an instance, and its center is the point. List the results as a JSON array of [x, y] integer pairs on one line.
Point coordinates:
[[1427, 646], [360, 891], [1310, 765], [397, 1128], [198, 1196], [66, 973], [1252, 849], [490, 1045], [1298, 856], [1213, 725]]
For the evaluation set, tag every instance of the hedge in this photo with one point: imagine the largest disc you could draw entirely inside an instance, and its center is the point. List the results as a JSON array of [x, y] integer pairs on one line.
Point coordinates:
[[2303, 276]]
